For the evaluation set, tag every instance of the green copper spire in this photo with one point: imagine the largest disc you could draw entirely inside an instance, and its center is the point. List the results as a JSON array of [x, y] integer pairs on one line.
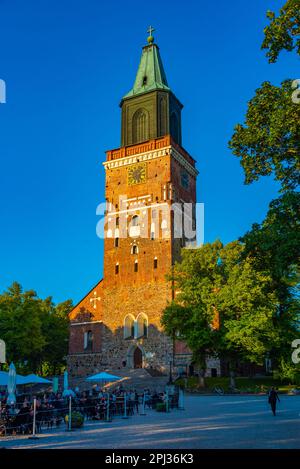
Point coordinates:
[[150, 75]]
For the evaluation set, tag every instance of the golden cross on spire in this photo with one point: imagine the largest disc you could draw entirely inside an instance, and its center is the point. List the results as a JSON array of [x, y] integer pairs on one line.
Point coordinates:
[[150, 38]]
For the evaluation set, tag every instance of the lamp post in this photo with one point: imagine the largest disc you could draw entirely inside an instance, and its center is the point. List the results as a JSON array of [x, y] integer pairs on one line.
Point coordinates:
[[170, 374]]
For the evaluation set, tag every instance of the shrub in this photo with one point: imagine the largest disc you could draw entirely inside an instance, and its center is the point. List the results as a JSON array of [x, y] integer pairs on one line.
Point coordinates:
[[161, 407], [77, 419]]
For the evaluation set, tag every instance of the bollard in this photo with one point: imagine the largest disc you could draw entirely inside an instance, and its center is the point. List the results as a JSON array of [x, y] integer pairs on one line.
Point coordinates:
[[70, 413], [167, 401], [143, 406], [181, 400], [69, 429], [108, 419], [125, 407], [33, 436]]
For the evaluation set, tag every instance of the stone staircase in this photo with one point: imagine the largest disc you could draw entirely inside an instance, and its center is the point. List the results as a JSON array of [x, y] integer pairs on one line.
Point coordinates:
[[139, 379]]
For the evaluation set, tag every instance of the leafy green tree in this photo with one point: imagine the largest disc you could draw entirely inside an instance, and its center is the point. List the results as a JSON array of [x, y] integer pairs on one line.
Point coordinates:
[[55, 329], [35, 330], [220, 279], [269, 141], [283, 32], [274, 246], [21, 327]]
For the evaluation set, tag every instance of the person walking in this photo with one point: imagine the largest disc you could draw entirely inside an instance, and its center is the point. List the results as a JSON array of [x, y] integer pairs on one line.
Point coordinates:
[[273, 397]]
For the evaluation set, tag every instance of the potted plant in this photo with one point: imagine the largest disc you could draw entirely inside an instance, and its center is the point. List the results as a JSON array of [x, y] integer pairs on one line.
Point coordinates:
[[161, 407], [77, 420]]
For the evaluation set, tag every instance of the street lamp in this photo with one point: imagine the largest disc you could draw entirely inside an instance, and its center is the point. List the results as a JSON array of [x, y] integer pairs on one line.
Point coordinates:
[[170, 374]]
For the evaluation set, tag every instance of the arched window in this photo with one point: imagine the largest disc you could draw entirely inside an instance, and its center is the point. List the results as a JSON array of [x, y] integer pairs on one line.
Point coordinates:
[[135, 220], [88, 341], [175, 127], [134, 228], [140, 126], [129, 327], [136, 266], [141, 326], [117, 235], [152, 231], [134, 249]]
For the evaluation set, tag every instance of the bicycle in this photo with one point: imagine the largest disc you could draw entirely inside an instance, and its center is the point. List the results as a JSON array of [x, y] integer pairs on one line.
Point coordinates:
[[218, 390]]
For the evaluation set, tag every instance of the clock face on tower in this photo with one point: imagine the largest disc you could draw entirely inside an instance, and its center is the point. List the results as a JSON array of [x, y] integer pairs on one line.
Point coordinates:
[[137, 174]]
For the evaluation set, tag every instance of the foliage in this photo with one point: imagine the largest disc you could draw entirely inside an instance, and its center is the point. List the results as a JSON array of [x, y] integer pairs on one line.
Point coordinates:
[[269, 141], [286, 370], [77, 419], [274, 247], [244, 384], [283, 32], [161, 407], [217, 278], [35, 330]]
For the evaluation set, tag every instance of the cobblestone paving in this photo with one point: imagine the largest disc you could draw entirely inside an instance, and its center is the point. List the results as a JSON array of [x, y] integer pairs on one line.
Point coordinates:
[[207, 422]]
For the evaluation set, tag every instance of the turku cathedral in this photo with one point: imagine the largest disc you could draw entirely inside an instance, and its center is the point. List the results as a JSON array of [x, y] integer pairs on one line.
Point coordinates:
[[147, 179]]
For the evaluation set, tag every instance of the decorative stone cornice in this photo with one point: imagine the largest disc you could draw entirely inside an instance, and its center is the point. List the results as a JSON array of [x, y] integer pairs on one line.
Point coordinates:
[[150, 155]]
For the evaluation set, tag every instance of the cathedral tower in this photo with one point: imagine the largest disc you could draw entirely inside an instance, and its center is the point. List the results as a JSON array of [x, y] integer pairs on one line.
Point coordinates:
[[149, 179]]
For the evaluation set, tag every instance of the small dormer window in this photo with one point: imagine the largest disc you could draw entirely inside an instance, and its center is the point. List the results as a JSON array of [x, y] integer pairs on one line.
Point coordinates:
[[145, 80]]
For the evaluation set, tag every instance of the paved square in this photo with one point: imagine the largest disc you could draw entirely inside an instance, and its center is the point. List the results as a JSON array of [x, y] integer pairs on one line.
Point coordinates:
[[207, 422]]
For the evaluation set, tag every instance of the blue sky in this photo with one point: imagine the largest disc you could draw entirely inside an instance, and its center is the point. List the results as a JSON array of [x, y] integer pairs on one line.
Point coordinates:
[[66, 65]]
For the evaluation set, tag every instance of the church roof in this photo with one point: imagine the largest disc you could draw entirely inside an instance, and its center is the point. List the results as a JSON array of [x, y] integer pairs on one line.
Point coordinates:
[[150, 75]]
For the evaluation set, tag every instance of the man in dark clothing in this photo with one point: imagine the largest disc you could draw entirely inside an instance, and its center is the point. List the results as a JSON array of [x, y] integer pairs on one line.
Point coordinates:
[[273, 397]]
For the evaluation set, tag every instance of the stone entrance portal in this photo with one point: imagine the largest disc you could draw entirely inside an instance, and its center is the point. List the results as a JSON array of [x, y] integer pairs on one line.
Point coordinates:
[[137, 358]]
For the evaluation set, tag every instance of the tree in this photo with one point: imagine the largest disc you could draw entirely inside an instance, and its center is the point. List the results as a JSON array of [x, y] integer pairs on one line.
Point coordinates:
[[217, 278], [274, 246], [21, 327], [189, 317], [283, 32], [55, 328], [269, 141], [35, 330]]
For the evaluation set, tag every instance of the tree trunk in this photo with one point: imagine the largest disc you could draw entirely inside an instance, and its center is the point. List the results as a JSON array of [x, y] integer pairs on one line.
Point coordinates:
[[232, 380], [201, 378]]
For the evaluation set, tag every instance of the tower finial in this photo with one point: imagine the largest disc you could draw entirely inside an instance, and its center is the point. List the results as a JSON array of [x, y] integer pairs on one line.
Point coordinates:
[[150, 38]]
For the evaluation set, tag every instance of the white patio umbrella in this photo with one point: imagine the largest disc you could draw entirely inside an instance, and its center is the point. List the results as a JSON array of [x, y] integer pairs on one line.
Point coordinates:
[[11, 384]]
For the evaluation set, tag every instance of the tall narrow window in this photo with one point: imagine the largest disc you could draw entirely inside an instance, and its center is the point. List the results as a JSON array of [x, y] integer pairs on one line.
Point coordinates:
[[116, 242], [117, 268], [155, 263], [88, 341], [129, 327], [152, 231], [134, 249], [117, 221], [141, 326], [140, 126], [136, 266], [162, 117]]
